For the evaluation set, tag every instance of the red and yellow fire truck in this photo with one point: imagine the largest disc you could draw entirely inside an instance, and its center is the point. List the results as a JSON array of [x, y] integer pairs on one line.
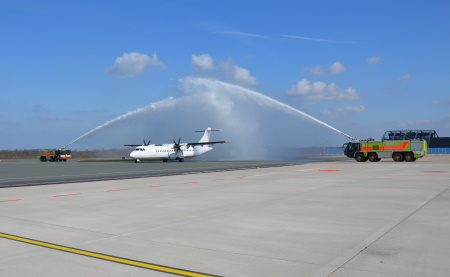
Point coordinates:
[[55, 155]]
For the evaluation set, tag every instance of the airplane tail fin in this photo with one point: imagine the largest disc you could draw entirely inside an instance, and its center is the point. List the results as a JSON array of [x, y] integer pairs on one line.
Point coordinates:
[[207, 134]]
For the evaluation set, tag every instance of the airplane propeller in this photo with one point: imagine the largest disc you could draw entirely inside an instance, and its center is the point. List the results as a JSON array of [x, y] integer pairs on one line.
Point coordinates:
[[147, 143], [176, 145]]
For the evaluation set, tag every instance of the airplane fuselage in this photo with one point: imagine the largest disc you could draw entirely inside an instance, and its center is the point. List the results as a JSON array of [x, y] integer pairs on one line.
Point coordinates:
[[167, 152], [176, 151]]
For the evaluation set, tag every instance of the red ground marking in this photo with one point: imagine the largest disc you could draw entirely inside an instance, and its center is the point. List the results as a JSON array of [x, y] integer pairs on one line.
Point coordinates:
[[67, 194], [435, 172], [329, 170], [190, 183], [10, 200], [158, 186], [116, 190]]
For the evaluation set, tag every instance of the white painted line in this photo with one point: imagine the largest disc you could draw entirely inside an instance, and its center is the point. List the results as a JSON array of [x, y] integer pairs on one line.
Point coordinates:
[[264, 174], [309, 169]]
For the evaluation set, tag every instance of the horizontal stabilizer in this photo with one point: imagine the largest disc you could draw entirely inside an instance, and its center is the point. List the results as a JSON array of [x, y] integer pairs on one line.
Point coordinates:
[[132, 145], [215, 130]]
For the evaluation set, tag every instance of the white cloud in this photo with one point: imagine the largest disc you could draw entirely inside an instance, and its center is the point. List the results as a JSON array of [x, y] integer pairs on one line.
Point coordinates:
[[417, 123], [441, 102], [374, 60], [404, 77], [48, 117], [320, 91], [242, 34], [334, 69], [442, 124], [132, 64], [315, 39], [242, 76], [204, 62], [345, 110], [351, 109], [225, 70]]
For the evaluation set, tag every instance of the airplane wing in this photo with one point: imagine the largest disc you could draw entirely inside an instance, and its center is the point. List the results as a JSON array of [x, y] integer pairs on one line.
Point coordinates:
[[206, 143], [134, 145]]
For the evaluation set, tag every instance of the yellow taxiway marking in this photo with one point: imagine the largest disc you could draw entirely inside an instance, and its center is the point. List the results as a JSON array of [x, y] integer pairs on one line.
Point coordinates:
[[156, 267]]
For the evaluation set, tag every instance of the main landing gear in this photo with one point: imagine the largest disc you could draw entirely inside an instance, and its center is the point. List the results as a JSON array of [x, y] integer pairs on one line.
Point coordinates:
[[179, 159]]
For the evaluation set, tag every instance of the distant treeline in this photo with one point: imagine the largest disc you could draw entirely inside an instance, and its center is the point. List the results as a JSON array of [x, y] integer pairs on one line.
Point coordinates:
[[76, 154]]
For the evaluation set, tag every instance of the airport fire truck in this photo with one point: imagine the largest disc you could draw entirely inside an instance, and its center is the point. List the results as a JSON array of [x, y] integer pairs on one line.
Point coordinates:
[[374, 151], [55, 155]]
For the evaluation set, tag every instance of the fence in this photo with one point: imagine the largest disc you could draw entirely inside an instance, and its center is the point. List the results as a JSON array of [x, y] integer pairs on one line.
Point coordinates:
[[438, 150]]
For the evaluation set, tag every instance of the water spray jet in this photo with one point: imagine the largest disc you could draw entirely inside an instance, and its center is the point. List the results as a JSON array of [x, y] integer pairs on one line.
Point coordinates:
[[207, 100], [263, 99], [153, 106]]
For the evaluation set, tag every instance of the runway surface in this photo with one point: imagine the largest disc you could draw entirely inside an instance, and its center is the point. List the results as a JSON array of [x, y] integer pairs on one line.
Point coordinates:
[[33, 172], [314, 219]]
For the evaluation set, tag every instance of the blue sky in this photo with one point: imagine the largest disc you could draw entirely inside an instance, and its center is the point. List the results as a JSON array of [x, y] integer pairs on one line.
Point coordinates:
[[363, 67]]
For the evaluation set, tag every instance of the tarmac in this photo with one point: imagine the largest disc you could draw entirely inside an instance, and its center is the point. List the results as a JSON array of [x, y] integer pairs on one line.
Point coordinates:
[[33, 172], [337, 219]]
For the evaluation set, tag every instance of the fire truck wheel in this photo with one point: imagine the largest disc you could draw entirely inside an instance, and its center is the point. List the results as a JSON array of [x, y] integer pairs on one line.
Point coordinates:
[[409, 157], [360, 157], [373, 157], [398, 157], [64, 160]]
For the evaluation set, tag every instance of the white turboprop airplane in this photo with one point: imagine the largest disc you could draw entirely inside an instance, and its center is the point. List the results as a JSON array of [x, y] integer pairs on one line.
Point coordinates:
[[174, 151]]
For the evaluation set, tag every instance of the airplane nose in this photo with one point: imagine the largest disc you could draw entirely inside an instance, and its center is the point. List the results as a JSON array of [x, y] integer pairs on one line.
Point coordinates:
[[133, 154]]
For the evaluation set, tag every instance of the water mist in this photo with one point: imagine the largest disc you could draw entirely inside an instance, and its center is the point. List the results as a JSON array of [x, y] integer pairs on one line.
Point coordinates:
[[257, 125]]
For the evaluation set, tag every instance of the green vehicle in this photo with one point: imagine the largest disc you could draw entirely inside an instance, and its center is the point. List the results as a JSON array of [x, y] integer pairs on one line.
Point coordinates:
[[374, 151], [55, 155]]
